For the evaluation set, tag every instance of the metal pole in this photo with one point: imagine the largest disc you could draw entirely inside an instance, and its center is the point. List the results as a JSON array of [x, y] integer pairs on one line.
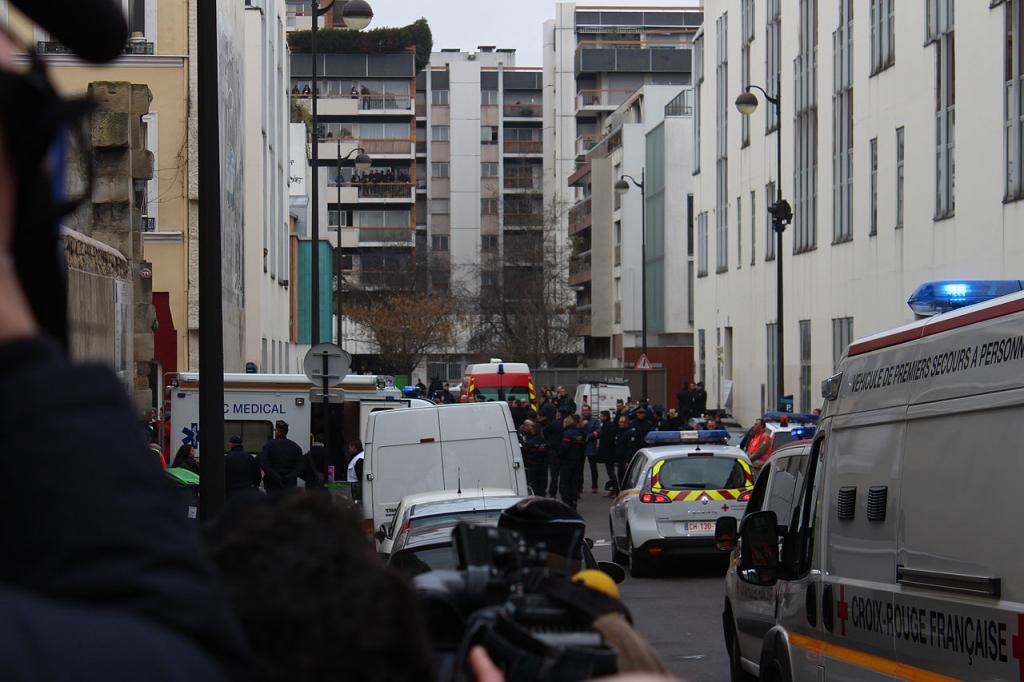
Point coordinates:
[[314, 222], [337, 255], [329, 457], [780, 367], [211, 324], [643, 275]]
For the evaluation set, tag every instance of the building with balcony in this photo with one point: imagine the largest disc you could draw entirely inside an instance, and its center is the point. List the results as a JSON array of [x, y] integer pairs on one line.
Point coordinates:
[[647, 137], [595, 58]]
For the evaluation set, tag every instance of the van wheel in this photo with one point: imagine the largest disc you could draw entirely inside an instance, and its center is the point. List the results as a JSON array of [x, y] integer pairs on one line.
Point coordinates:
[[736, 671], [639, 563]]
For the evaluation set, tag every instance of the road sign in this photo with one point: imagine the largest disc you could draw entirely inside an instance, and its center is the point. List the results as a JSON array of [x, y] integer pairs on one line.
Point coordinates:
[[325, 361], [643, 362]]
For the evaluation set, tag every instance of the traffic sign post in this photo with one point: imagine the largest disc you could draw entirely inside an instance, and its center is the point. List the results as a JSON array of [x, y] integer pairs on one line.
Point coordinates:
[[643, 363], [326, 365]]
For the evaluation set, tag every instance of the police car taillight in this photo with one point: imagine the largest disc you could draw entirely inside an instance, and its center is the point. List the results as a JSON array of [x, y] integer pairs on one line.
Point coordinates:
[[745, 497], [654, 498], [679, 437]]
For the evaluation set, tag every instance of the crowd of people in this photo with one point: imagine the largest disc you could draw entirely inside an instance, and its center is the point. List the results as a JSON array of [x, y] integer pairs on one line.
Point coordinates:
[[389, 175]]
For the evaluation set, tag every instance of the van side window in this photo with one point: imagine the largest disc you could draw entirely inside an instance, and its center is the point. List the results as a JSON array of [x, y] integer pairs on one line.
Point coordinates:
[[805, 513], [785, 484], [757, 495]]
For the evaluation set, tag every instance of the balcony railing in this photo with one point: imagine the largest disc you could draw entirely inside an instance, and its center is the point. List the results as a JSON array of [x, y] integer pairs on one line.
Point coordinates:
[[524, 146], [379, 190], [367, 102], [618, 255], [579, 265], [524, 110], [586, 142], [386, 235], [579, 324], [580, 216], [523, 182], [598, 97], [524, 219]]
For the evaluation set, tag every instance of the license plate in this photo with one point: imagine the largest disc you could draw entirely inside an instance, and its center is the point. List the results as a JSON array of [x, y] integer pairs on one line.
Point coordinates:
[[700, 526]]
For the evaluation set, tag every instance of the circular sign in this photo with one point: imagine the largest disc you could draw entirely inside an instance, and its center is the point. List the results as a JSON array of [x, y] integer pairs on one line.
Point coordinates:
[[326, 360]]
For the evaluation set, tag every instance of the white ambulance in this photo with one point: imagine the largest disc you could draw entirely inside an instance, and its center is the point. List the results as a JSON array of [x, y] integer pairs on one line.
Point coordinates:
[[253, 402], [904, 557]]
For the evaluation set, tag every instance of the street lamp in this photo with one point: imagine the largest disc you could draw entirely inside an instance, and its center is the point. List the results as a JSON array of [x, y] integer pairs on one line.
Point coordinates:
[[362, 163], [621, 187], [782, 215], [356, 15]]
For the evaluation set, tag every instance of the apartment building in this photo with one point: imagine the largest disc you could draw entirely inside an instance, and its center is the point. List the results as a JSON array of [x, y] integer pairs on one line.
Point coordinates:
[[898, 173], [645, 140]]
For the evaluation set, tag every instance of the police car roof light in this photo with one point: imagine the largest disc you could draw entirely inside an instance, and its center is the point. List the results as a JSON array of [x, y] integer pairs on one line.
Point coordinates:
[[803, 432], [793, 417], [934, 298], [678, 437]]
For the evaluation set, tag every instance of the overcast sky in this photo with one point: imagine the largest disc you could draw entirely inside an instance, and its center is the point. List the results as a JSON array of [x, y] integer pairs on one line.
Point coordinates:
[[466, 24]]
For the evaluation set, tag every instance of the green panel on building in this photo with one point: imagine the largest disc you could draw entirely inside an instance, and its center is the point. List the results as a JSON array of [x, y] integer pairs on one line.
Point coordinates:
[[305, 284]]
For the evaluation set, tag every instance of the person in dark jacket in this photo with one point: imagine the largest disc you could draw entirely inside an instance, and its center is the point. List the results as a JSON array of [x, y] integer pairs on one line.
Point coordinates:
[[684, 400], [625, 446], [564, 403], [671, 421], [281, 460], [535, 457], [700, 400], [573, 445], [606, 450], [186, 458], [314, 465], [641, 427], [241, 470], [591, 427], [551, 429]]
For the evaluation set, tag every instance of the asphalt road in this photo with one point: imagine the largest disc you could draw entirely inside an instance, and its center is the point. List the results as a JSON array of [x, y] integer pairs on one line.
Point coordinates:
[[679, 611]]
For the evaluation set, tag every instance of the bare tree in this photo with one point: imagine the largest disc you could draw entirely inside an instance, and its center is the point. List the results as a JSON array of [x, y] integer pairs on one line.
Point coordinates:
[[405, 327]]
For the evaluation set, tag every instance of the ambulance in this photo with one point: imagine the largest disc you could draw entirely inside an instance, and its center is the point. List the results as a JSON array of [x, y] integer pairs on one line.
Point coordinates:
[[903, 558], [499, 381], [253, 402]]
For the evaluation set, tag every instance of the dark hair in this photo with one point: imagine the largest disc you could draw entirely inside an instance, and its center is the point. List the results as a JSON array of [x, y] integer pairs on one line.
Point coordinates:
[[313, 600], [606, 413], [356, 443], [181, 456]]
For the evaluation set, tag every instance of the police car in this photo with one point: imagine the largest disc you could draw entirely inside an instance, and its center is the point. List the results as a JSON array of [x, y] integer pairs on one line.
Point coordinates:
[[784, 428], [673, 492], [903, 556]]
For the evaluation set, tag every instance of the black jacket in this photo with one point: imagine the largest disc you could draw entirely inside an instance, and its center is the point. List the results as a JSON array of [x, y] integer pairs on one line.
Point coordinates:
[[685, 403], [241, 470], [573, 444], [700, 402], [281, 461], [314, 466], [101, 573], [535, 449], [671, 424], [606, 444], [552, 432], [625, 444]]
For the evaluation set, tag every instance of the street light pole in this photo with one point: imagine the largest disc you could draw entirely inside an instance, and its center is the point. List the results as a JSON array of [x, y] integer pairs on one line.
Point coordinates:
[[622, 186], [782, 214]]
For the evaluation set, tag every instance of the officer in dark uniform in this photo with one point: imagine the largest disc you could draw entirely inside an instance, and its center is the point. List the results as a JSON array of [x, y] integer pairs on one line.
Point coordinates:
[[241, 470], [281, 460]]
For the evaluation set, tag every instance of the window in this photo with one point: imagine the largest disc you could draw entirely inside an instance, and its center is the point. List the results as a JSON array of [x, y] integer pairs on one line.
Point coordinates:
[[150, 138], [438, 242], [488, 170], [771, 335], [842, 337], [805, 365], [747, 37], [739, 232], [444, 371], [940, 32], [899, 177], [488, 206], [488, 97], [883, 37], [439, 133], [440, 205], [773, 61], [489, 134], [689, 225], [439, 97], [488, 278], [805, 148], [842, 125], [701, 356], [1013, 107], [381, 218], [488, 242], [874, 186], [753, 227], [439, 169], [769, 239], [698, 76], [724, 101], [702, 244]]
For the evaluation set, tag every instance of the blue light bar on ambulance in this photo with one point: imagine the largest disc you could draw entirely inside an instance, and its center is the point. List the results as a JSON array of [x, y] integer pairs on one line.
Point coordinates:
[[678, 437], [792, 417], [933, 298]]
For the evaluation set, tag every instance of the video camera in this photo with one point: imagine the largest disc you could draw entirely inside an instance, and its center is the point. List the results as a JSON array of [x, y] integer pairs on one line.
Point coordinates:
[[503, 597]]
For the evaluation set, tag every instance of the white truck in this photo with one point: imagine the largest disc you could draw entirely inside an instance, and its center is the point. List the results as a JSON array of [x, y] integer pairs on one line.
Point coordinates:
[[253, 402]]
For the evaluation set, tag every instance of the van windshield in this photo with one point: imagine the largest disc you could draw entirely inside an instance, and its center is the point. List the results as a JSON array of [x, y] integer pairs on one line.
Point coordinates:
[[701, 473], [490, 393]]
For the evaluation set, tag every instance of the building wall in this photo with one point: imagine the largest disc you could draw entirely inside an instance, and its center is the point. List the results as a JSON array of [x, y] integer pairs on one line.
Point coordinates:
[[869, 277], [464, 192]]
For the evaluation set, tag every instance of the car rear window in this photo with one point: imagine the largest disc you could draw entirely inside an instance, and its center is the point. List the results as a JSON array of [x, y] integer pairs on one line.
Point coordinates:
[[413, 562], [502, 394], [701, 473], [482, 516], [781, 438]]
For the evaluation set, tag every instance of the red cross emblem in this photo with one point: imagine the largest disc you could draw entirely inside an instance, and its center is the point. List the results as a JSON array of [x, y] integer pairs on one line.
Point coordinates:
[[1018, 644], [725, 507], [842, 610]]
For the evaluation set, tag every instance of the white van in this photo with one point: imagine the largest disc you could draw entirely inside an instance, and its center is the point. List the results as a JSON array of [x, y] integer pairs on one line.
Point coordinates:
[[904, 558], [440, 447], [601, 396]]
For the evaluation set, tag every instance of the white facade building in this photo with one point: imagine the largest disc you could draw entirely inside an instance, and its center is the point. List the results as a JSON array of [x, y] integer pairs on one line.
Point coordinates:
[[267, 252], [887, 188]]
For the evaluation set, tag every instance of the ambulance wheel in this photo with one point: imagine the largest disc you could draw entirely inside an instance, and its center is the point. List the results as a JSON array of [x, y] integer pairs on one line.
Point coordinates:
[[639, 563]]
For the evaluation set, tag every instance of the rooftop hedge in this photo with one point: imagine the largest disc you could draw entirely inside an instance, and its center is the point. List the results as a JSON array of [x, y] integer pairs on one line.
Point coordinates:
[[374, 41]]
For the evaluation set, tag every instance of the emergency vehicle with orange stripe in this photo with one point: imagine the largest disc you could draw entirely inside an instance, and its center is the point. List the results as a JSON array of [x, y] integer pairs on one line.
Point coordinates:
[[673, 492], [500, 381], [903, 556]]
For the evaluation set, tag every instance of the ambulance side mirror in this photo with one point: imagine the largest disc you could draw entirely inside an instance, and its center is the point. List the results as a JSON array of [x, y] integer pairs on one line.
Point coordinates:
[[726, 533], [759, 554], [382, 533]]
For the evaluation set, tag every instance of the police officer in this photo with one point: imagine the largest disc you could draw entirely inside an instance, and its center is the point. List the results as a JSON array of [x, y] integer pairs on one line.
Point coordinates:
[[241, 470], [535, 457], [591, 427], [571, 465], [551, 429], [281, 460]]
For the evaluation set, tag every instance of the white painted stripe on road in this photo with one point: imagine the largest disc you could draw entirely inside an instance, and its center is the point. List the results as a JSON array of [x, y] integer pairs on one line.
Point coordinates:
[[601, 543]]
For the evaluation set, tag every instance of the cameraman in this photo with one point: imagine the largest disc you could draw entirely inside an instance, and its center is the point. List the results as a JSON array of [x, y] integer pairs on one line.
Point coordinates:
[[101, 576], [562, 530]]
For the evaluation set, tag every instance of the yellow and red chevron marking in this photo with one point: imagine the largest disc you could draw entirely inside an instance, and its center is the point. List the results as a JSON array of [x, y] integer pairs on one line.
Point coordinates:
[[533, 395], [695, 495]]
